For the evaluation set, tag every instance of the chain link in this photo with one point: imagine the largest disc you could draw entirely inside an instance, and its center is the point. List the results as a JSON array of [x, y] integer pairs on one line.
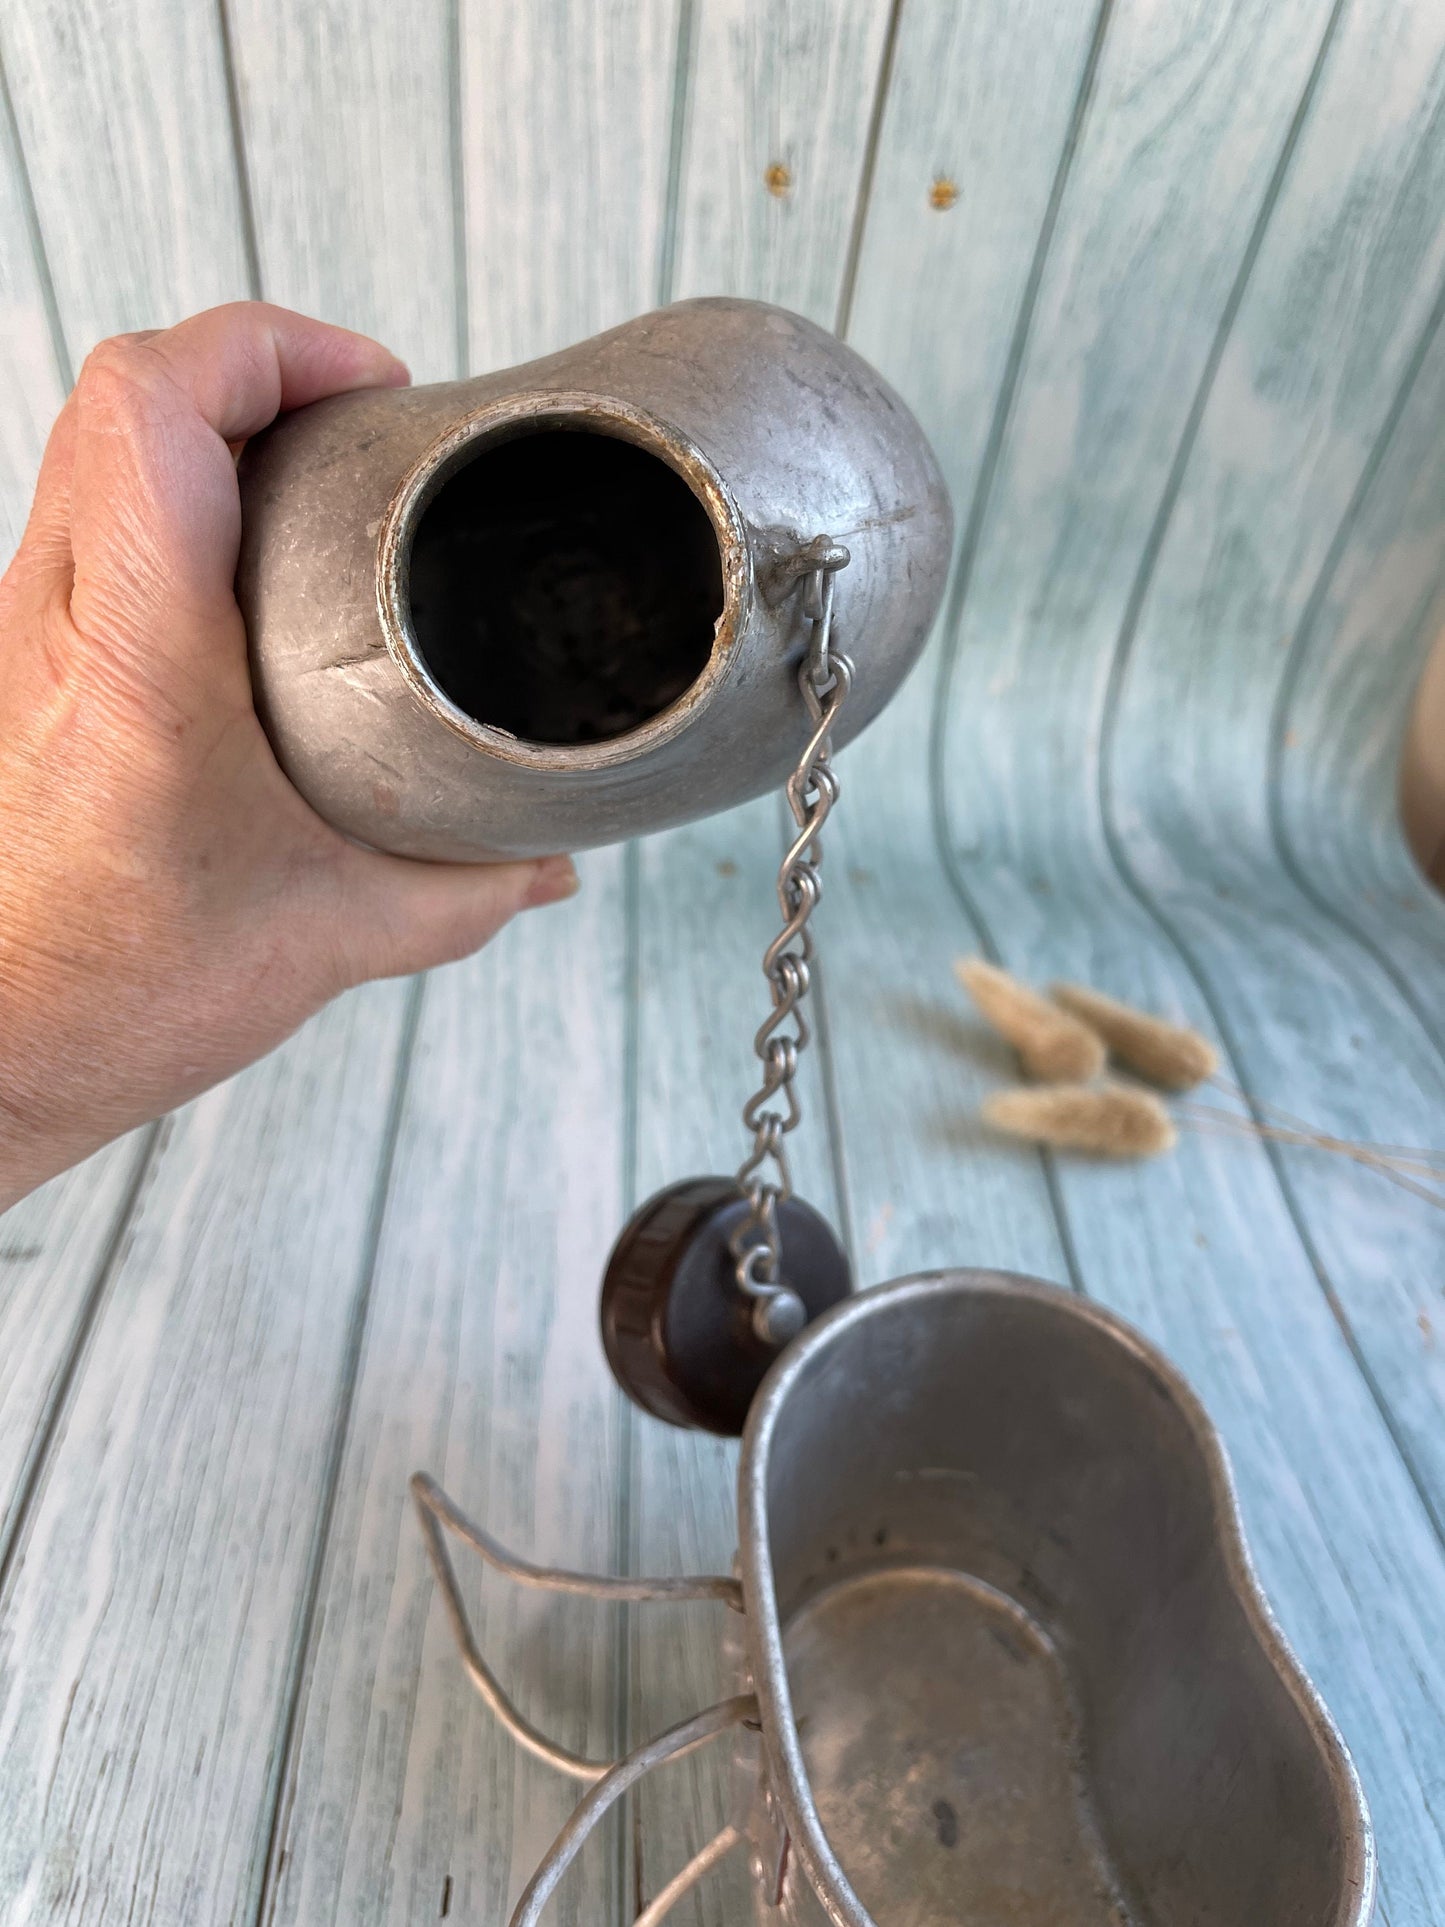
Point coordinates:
[[825, 677]]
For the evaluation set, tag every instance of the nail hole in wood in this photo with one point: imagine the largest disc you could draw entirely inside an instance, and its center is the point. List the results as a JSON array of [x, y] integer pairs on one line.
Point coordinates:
[[777, 180], [943, 193]]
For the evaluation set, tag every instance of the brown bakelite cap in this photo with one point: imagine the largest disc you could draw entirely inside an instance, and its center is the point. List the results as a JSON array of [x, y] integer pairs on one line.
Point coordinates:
[[677, 1329]]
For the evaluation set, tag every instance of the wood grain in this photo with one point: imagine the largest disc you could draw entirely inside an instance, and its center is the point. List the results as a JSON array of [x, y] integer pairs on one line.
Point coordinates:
[[481, 1365], [1206, 1252], [150, 1621], [987, 105], [347, 126], [1175, 160], [33, 380], [1165, 285], [1345, 285], [981, 97], [125, 124], [402, 1796], [566, 141], [56, 1249], [1246, 542], [1345, 695], [780, 103]]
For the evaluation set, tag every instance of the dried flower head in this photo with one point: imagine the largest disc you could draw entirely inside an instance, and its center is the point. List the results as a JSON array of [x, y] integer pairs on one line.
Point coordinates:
[[1110, 1120], [1052, 1043], [1170, 1055]]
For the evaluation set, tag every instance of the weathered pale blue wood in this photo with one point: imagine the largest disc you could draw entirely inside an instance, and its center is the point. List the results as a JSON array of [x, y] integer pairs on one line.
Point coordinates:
[[484, 1362], [151, 1618], [987, 101], [788, 87], [32, 378], [982, 96], [1345, 694], [348, 123], [1190, 114], [1110, 165], [125, 123], [566, 139], [1201, 1250], [1322, 1020], [707, 911], [403, 1799], [928, 1186], [56, 1249], [1345, 286]]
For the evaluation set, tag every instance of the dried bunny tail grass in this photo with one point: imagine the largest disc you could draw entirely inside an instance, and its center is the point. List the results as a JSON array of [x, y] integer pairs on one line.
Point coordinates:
[[1051, 1043], [1109, 1119], [1418, 1172], [1170, 1055]]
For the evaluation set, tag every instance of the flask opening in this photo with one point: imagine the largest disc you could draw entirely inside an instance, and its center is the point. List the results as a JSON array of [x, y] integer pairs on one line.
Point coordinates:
[[565, 586]]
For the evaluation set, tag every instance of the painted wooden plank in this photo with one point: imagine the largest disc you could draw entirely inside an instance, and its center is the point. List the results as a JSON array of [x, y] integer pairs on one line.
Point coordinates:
[[780, 105], [976, 120], [928, 1186], [126, 130], [566, 135], [403, 1800], [1189, 119], [56, 1247], [1324, 1023], [1346, 693], [150, 1624], [33, 380], [1201, 1251], [982, 106], [708, 910], [1345, 286], [980, 101], [401, 1797], [348, 124]]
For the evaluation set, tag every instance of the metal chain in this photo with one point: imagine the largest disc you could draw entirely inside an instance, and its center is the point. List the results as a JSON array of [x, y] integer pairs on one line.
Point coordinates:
[[825, 677]]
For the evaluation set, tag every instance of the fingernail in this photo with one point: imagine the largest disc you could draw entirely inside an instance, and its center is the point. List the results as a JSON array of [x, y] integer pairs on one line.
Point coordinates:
[[398, 375], [553, 880]]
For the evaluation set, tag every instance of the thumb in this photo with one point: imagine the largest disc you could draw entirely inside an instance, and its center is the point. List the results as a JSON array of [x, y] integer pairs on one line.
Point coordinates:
[[403, 915], [155, 511]]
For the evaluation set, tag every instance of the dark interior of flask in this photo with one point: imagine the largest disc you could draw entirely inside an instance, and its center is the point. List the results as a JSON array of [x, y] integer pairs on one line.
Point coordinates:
[[565, 586]]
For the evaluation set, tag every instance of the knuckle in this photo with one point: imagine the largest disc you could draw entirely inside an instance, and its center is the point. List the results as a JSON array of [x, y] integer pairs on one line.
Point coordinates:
[[122, 377], [245, 314]]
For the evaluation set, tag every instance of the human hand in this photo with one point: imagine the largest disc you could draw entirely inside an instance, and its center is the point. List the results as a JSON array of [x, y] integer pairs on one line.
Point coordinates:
[[170, 907]]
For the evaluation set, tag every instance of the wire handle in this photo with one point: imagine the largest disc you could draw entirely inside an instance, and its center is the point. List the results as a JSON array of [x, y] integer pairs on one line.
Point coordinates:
[[436, 1510], [702, 1863], [671, 1745]]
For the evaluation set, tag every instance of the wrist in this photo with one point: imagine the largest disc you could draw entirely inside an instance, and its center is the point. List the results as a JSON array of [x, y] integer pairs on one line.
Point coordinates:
[[41, 1132], [27, 1156]]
